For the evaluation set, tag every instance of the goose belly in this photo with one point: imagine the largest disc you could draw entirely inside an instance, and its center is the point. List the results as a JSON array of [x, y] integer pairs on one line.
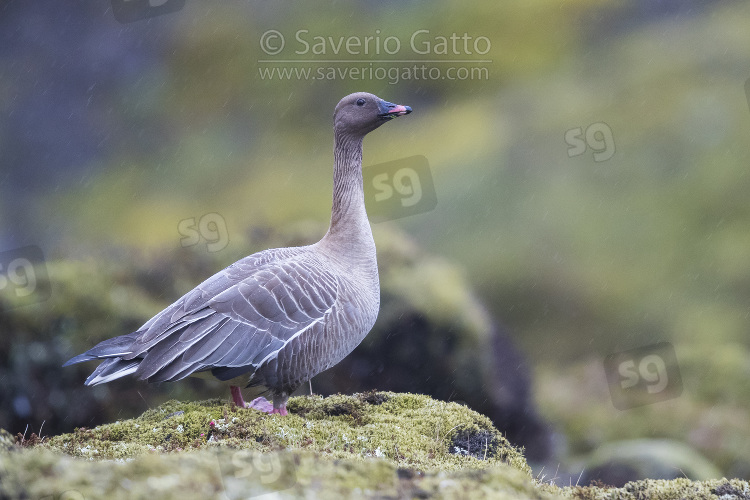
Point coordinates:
[[324, 344]]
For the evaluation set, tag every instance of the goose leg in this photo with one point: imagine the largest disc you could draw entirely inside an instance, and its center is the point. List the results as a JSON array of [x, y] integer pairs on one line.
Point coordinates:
[[279, 403], [237, 396]]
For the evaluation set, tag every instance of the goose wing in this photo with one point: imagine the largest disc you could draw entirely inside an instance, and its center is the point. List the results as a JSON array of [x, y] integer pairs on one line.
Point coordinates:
[[230, 324]]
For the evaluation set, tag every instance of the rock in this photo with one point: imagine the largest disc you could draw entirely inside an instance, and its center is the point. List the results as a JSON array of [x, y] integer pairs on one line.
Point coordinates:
[[620, 462]]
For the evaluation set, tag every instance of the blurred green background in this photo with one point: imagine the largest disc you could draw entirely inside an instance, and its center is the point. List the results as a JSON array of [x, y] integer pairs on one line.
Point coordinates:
[[111, 134]]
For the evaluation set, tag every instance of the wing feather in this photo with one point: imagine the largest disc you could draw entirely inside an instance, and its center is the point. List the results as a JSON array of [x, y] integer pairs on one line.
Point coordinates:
[[166, 351]]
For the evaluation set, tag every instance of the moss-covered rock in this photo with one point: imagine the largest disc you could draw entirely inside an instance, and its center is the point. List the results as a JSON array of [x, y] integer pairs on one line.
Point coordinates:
[[409, 430], [244, 454], [213, 474], [369, 445], [619, 462], [663, 489]]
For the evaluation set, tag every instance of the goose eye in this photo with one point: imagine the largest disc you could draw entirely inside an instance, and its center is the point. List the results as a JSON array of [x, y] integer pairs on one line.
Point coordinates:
[[360, 102]]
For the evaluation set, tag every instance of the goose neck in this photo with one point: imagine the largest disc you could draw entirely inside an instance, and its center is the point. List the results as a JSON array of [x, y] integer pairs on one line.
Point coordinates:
[[349, 224]]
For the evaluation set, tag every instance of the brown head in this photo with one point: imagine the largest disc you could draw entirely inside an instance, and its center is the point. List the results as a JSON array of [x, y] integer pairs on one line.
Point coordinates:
[[360, 113]]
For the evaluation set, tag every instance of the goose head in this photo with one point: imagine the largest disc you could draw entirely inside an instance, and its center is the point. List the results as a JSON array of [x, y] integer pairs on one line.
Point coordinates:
[[360, 113]]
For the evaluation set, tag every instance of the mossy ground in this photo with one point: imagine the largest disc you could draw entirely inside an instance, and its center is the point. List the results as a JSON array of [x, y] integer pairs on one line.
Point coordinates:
[[412, 431], [371, 445]]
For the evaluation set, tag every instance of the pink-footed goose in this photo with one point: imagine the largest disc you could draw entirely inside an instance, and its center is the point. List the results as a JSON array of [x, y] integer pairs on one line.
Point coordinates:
[[278, 317]]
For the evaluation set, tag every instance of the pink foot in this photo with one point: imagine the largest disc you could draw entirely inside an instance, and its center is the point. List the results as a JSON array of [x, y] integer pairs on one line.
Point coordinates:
[[281, 411], [261, 403], [265, 406]]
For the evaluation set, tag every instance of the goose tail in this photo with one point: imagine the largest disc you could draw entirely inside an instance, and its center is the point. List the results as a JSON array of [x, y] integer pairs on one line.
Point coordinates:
[[113, 367]]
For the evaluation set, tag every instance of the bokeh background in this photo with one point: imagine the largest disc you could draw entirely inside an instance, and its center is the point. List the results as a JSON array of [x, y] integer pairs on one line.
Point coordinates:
[[539, 254]]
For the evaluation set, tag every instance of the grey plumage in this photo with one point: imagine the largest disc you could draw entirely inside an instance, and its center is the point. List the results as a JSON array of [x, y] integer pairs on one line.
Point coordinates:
[[278, 317]]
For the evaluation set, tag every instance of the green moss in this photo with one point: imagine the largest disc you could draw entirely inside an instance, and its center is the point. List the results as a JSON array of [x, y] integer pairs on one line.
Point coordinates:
[[213, 473], [409, 430], [676, 489], [369, 445], [229, 473]]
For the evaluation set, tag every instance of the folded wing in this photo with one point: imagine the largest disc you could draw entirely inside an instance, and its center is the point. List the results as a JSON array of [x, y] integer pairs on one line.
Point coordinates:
[[231, 324]]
